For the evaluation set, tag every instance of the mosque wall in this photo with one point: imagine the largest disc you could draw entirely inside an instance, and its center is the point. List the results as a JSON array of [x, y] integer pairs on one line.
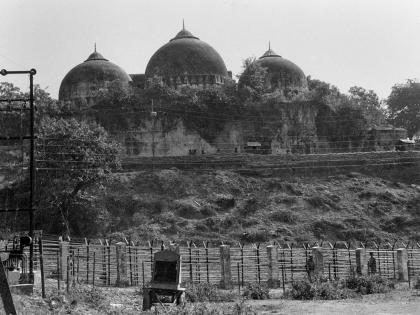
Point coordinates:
[[151, 139]]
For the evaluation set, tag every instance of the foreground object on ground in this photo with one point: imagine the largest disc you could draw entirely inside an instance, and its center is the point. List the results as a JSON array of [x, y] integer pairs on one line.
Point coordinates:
[[166, 280]]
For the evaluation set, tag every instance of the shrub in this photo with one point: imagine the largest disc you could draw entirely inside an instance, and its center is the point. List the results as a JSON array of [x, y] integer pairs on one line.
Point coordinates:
[[225, 202], [285, 216], [208, 211], [207, 292], [254, 237], [256, 291], [239, 308], [301, 290], [369, 284], [249, 206], [344, 289]]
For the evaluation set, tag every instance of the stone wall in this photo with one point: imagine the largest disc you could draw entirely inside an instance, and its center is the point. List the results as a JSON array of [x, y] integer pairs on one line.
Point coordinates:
[[151, 139]]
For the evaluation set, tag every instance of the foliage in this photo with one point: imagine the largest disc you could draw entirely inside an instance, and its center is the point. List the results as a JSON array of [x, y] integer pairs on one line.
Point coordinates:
[[251, 84], [318, 290], [404, 106], [256, 291], [208, 292], [286, 216], [250, 206], [73, 156], [323, 289], [238, 308], [369, 284], [368, 102]]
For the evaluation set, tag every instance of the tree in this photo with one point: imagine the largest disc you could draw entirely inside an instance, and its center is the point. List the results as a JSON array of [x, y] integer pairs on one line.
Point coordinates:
[[404, 106], [252, 80], [368, 102], [73, 156]]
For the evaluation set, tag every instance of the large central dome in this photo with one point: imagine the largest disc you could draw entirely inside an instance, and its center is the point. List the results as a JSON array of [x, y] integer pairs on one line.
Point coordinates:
[[187, 60]]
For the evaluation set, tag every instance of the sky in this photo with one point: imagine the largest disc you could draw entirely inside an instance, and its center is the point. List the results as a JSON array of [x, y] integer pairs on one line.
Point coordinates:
[[370, 43]]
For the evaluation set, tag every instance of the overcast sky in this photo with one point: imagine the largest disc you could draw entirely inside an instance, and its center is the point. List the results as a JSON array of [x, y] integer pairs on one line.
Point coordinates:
[[369, 43]]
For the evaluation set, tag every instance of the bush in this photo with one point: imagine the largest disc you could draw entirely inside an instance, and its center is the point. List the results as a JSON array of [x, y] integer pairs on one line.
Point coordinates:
[[254, 237], [285, 216], [320, 289], [323, 289], [207, 292], [256, 291], [239, 308], [301, 290], [249, 207], [225, 202], [208, 211], [369, 284]]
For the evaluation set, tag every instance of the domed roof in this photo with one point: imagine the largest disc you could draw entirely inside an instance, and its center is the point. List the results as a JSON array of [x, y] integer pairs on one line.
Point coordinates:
[[93, 73], [185, 54], [282, 72]]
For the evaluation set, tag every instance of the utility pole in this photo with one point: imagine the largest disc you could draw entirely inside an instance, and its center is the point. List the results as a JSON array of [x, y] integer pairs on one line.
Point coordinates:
[[153, 114], [31, 137]]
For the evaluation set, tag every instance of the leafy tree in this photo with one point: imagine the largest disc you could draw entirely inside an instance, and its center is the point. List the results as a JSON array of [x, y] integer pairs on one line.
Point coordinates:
[[252, 80], [73, 156], [368, 102], [404, 106]]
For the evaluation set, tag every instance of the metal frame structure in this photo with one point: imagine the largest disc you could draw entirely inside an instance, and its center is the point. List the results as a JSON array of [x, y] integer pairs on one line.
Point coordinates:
[[31, 137]]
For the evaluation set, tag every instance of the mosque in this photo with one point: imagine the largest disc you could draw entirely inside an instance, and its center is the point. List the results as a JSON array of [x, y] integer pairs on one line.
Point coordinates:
[[188, 61]]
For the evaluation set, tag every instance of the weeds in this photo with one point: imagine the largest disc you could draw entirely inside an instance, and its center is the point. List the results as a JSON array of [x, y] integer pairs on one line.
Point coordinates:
[[256, 291], [343, 289], [207, 292]]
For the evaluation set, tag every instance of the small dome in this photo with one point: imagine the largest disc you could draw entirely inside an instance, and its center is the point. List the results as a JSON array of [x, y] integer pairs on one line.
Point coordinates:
[[183, 55], [87, 79], [282, 73]]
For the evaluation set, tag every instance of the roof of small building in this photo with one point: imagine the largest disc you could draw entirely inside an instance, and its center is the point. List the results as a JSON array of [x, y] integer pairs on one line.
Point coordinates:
[[185, 54], [95, 69]]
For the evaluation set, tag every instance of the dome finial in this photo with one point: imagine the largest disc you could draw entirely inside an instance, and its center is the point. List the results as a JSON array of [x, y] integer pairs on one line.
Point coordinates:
[[269, 45], [183, 25], [95, 46]]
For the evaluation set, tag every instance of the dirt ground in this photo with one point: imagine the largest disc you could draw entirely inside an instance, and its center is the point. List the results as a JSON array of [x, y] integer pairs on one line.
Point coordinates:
[[396, 302], [129, 301]]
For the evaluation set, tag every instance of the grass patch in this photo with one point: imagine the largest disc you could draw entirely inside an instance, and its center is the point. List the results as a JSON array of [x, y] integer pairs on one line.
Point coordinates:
[[285, 216], [207, 292], [256, 291], [322, 289]]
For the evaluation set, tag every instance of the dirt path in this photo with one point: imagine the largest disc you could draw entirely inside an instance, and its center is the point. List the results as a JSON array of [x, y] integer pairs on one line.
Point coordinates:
[[396, 302]]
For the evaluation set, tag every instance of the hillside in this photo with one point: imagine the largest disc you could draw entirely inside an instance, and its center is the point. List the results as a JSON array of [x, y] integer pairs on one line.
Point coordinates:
[[360, 203]]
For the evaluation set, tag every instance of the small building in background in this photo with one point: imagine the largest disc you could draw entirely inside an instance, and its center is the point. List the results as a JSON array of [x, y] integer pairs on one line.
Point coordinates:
[[405, 145], [384, 138]]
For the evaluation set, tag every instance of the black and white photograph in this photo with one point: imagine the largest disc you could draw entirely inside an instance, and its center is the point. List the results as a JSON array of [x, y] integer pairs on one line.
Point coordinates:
[[209, 157]]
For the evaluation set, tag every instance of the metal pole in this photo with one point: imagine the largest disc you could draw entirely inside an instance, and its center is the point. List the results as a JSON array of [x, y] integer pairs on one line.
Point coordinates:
[[239, 280], [87, 263], [68, 275], [41, 262], [31, 174], [58, 271], [283, 277], [258, 263], [93, 271]]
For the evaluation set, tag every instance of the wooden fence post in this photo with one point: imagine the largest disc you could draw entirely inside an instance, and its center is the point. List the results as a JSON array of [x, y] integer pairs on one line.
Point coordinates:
[[226, 277], [63, 253], [121, 253], [273, 267], [402, 264], [318, 261], [361, 261]]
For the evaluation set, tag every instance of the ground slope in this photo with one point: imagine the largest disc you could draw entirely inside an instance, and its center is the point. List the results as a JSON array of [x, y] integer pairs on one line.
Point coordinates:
[[224, 205]]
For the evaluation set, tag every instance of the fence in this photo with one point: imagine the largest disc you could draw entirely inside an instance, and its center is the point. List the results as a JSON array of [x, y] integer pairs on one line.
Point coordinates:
[[126, 264]]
